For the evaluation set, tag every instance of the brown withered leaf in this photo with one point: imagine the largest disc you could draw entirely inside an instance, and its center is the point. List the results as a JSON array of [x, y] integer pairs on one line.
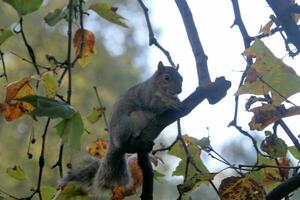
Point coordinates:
[[237, 188], [268, 114], [88, 45], [266, 28], [284, 162], [120, 192], [13, 109], [97, 148]]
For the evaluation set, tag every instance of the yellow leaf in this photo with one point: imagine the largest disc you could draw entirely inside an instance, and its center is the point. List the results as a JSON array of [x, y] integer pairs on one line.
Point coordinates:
[[109, 13], [88, 45], [50, 84], [237, 188], [97, 148]]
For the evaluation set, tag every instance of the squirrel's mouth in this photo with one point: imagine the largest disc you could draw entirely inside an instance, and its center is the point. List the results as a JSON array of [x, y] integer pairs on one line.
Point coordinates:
[[173, 94]]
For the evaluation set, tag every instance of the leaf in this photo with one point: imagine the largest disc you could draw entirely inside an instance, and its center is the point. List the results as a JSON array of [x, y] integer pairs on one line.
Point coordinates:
[[12, 109], [294, 151], [47, 192], [97, 148], [44, 106], [237, 188], [95, 115], [50, 84], [120, 192], [52, 18], [204, 143], [16, 172], [272, 75], [88, 45], [109, 13], [5, 33], [194, 182], [177, 150], [13, 88], [23, 7], [157, 174], [268, 114], [269, 178], [70, 130], [266, 28], [72, 191], [274, 146]]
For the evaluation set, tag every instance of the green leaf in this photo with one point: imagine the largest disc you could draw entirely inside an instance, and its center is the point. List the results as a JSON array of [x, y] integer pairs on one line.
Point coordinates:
[[95, 115], [269, 71], [47, 192], [49, 107], [70, 130], [157, 174], [178, 151], [5, 33], [52, 18], [109, 13], [195, 181], [16, 172], [204, 143], [24, 7], [274, 146], [74, 192], [294, 151], [269, 178]]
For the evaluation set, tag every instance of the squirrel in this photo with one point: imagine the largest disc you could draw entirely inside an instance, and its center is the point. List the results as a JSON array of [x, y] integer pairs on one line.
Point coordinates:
[[130, 115]]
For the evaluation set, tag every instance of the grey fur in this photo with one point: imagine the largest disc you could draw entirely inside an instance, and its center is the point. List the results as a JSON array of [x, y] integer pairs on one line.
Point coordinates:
[[130, 115]]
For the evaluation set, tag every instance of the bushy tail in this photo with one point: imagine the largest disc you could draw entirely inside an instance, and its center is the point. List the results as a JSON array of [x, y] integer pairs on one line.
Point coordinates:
[[113, 171], [83, 174]]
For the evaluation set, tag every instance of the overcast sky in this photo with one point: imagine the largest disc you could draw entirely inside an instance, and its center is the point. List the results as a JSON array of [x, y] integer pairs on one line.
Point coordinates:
[[223, 46]]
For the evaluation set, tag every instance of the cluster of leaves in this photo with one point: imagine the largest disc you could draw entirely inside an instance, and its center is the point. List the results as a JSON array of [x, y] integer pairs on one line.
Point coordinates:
[[22, 98], [268, 76]]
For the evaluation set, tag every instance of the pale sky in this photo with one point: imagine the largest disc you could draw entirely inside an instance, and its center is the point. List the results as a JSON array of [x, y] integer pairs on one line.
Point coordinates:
[[223, 46]]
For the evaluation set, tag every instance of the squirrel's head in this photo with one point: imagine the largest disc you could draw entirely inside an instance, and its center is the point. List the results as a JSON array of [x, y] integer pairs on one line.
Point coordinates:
[[168, 80]]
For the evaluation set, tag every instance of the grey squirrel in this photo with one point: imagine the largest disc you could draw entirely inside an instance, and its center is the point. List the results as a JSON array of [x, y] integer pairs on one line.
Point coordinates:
[[131, 113]]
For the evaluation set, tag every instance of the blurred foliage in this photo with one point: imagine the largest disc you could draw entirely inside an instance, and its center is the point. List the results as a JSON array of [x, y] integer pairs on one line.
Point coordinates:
[[118, 63]]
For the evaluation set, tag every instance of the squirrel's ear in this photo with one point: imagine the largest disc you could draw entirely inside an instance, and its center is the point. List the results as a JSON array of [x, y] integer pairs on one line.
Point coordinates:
[[160, 67]]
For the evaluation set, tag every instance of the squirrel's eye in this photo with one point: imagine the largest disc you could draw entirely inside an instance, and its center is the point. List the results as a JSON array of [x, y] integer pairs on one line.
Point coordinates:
[[167, 77]]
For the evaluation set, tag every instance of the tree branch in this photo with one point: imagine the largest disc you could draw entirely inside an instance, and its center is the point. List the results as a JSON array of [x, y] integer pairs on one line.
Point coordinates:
[[284, 10], [200, 57], [4, 74], [152, 39], [145, 141], [284, 188]]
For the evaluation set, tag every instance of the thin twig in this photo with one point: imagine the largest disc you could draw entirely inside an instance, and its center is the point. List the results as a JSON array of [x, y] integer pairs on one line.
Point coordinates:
[[152, 39], [82, 43], [9, 195], [289, 133], [101, 105], [41, 163], [59, 162], [69, 51], [28, 61], [191, 160], [165, 148], [4, 74], [29, 49]]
